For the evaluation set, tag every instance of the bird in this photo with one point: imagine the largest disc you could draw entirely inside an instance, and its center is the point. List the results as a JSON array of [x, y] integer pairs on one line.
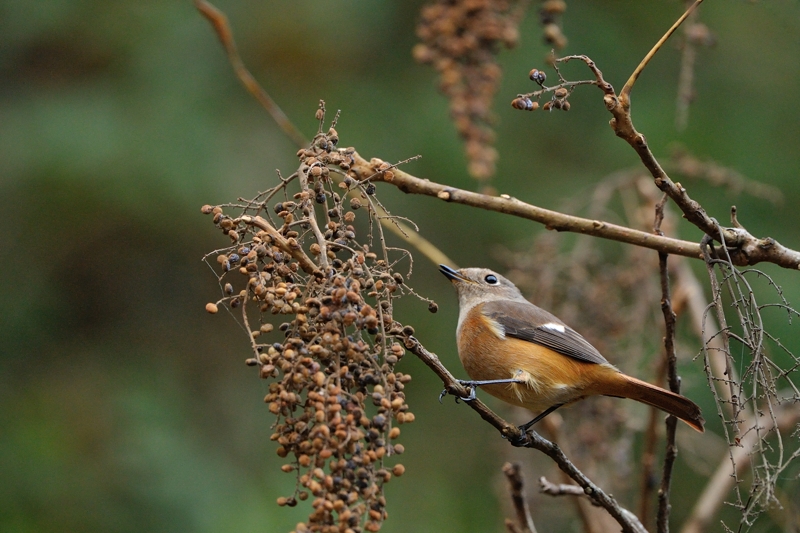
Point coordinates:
[[526, 356]]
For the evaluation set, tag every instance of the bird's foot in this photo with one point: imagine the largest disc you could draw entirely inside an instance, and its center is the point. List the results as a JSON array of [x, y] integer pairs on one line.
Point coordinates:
[[471, 385]]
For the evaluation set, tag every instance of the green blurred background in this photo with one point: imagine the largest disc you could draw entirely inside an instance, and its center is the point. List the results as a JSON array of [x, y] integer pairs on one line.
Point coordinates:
[[124, 406]]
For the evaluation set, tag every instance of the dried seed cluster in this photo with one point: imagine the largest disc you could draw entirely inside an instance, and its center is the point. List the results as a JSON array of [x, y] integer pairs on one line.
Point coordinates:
[[558, 99], [550, 18], [334, 390], [461, 38]]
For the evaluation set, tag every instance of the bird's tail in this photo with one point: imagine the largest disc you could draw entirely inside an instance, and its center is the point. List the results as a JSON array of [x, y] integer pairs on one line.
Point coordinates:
[[667, 401]]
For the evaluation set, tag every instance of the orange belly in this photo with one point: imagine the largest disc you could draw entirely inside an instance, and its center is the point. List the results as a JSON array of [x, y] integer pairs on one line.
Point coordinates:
[[549, 377]]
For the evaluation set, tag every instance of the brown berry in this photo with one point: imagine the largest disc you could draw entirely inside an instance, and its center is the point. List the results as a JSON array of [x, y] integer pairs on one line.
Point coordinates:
[[538, 76]]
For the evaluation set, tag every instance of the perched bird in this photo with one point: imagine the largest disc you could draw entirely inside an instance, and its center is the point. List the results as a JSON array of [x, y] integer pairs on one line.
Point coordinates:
[[527, 357]]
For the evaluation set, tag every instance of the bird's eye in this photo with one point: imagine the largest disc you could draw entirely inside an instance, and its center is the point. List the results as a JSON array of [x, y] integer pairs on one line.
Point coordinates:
[[491, 279]]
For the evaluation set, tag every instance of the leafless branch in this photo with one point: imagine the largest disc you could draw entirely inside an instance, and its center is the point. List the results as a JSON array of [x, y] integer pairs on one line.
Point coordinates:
[[220, 23], [627, 520], [744, 247], [559, 489], [662, 519], [516, 486], [721, 483]]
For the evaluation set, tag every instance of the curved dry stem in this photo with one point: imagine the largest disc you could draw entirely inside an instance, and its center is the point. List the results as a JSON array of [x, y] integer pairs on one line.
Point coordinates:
[[624, 94], [220, 24], [516, 485]]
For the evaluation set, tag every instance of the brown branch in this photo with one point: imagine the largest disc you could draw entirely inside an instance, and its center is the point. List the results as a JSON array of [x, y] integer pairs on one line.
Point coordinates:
[[745, 249], [281, 242], [667, 366], [220, 23], [559, 489], [748, 250], [662, 517], [516, 486], [627, 520], [551, 219], [624, 94]]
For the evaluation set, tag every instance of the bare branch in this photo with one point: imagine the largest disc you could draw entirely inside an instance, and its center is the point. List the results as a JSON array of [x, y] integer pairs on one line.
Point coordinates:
[[559, 489], [624, 94], [662, 518], [721, 483], [220, 23], [551, 219], [516, 485], [627, 520]]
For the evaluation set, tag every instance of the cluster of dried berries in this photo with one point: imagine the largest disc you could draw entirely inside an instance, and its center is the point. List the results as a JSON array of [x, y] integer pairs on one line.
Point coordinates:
[[550, 17], [334, 389], [558, 99], [461, 38]]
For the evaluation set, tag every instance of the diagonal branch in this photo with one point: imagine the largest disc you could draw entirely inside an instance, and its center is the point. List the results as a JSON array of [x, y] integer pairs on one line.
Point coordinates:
[[551, 219], [220, 23], [626, 519], [744, 248]]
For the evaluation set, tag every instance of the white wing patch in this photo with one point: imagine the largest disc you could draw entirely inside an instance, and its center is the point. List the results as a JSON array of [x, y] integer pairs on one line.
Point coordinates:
[[555, 327], [497, 328]]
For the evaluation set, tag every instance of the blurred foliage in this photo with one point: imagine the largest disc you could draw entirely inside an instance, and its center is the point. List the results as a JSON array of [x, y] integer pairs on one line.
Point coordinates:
[[124, 407]]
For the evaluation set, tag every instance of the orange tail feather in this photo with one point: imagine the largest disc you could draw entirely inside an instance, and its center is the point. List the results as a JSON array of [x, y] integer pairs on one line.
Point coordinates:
[[667, 401]]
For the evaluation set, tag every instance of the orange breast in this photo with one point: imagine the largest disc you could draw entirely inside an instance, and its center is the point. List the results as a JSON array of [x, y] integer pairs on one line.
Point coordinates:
[[550, 378]]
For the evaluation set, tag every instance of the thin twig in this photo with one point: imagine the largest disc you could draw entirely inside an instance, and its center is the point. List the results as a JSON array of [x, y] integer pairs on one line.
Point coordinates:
[[722, 481], [220, 23], [516, 486], [624, 94], [662, 517], [559, 489]]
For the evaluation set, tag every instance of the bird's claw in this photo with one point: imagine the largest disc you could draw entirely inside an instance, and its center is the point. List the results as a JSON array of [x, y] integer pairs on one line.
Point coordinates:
[[442, 395], [468, 384], [520, 440]]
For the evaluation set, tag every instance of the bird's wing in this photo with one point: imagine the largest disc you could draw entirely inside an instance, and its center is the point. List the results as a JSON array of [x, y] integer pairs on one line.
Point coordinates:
[[525, 321]]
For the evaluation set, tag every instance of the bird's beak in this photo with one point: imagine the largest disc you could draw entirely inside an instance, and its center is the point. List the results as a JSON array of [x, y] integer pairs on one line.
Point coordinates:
[[452, 274]]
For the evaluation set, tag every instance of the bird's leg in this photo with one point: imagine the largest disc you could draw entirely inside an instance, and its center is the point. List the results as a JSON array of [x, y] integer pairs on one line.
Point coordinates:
[[473, 386], [525, 427], [520, 441]]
